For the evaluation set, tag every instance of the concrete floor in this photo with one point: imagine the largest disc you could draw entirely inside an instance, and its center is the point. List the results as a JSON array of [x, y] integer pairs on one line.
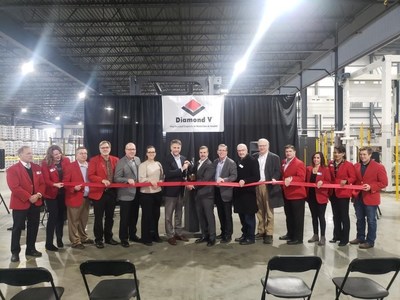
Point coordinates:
[[193, 272]]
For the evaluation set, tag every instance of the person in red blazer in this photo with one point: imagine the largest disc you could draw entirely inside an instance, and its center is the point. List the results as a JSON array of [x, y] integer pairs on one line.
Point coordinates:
[[101, 170], [372, 176], [343, 173], [318, 197], [27, 186], [293, 170], [76, 200], [53, 169]]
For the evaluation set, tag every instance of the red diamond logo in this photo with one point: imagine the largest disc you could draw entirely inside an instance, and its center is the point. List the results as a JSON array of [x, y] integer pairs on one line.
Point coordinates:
[[193, 107]]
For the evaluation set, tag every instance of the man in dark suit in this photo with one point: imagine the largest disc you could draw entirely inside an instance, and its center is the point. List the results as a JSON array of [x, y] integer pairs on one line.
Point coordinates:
[[268, 196], [175, 168], [225, 171], [245, 203], [126, 171], [27, 186], [204, 198], [101, 170]]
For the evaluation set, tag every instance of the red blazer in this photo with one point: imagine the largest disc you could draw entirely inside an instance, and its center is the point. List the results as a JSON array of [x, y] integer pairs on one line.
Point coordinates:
[[21, 186], [345, 171], [97, 172], [323, 174], [73, 174], [375, 175], [50, 176], [297, 170]]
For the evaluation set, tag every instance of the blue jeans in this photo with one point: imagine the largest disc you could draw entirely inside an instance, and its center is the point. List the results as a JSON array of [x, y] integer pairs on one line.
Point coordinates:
[[366, 214], [248, 222]]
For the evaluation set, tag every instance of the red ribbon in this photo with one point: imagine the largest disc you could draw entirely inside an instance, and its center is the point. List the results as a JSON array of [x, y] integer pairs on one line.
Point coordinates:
[[212, 183]]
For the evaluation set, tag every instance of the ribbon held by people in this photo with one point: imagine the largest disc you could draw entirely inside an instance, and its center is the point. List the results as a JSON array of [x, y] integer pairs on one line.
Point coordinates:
[[212, 183]]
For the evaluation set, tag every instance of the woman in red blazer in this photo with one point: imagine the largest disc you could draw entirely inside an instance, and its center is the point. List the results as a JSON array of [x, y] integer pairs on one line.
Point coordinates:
[[343, 173], [318, 197], [53, 169]]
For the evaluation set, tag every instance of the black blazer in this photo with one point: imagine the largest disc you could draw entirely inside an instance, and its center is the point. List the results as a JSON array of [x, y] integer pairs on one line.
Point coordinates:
[[173, 173], [272, 170], [205, 173]]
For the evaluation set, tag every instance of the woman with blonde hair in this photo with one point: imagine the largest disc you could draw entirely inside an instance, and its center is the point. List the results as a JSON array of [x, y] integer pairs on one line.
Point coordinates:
[[53, 169]]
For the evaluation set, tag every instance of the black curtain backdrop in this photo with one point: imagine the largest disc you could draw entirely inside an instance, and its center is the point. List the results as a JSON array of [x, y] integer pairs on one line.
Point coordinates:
[[139, 119]]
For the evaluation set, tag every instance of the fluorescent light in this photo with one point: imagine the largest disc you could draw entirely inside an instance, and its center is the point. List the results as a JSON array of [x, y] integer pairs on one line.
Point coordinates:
[[82, 95], [24, 110], [109, 108], [125, 117], [80, 123], [58, 118], [27, 68]]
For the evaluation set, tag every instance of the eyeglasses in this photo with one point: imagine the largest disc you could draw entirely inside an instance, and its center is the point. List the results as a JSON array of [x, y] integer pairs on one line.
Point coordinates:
[[130, 149], [151, 152]]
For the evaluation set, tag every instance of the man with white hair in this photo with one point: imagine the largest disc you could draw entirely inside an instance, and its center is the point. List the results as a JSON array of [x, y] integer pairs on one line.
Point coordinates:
[[268, 196]]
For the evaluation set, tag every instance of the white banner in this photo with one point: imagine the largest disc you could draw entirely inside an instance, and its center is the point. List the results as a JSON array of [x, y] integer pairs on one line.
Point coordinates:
[[193, 113]]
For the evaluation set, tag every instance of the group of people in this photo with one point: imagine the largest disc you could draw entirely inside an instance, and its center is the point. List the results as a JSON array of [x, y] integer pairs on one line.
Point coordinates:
[[60, 183]]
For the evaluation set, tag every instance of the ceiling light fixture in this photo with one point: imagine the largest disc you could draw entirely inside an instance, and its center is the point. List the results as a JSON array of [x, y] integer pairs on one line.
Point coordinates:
[[273, 9], [24, 110], [27, 68], [58, 118], [109, 108], [82, 95]]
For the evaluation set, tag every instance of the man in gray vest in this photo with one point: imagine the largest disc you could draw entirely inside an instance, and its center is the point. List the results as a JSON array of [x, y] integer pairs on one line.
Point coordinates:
[[268, 196], [126, 171]]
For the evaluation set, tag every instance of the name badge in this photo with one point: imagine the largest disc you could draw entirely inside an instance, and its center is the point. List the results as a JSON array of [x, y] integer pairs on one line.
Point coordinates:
[[319, 173], [241, 166], [38, 172], [52, 170]]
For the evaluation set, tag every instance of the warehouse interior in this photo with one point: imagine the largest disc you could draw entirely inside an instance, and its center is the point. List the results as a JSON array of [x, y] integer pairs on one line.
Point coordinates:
[[341, 58]]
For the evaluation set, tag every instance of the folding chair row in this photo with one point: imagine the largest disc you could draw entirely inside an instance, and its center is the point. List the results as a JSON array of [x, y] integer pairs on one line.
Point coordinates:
[[358, 287]]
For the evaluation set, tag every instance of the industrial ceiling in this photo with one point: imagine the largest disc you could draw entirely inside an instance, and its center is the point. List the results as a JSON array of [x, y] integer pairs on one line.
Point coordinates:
[[102, 46]]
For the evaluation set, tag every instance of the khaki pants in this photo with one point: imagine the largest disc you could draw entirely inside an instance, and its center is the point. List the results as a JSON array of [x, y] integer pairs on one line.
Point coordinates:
[[77, 221], [265, 214]]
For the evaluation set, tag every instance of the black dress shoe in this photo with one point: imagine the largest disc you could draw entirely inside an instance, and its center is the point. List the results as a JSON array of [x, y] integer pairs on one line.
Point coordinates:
[[333, 240], [88, 241], [112, 242], [60, 244], [259, 236], [148, 243], [211, 243], [247, 242], [99, 245], [33, 253], [341, 244], [240, 239], [135, 239], [219, 237], [226, 240], [15, 257], [51, 248], [284, 237], [201, 240], [157, 239], [294, 242], [125, 244], [268, 239]]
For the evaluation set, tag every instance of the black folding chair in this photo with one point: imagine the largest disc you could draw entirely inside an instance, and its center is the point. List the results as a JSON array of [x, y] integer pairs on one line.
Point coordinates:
[[363, 287], [28, 277], [290, 286], [4, 203], [111, 288]]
